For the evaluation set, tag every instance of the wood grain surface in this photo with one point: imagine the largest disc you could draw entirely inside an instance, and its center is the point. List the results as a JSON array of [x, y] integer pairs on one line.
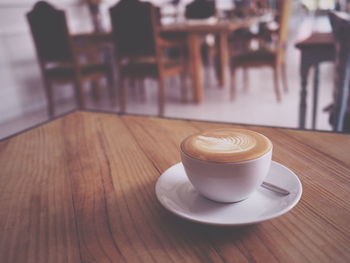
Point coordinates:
[[81, 189]]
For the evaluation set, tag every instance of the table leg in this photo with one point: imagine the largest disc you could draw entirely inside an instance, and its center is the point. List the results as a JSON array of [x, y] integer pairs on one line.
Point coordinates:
[[315, 96], [304, 71], [222, 47], [96, 89], [108, 54], [93, 57], [194, 46]]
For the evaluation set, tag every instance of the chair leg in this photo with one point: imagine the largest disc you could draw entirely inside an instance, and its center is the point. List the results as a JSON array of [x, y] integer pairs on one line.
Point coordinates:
[[96, 89], [79, 92], [131, 85], [49, 96], [284, 77], [276, 83], [111, 87], [141, 88], [183, 83], [245, 79], [233, 84], [161, 96], [122, 94]]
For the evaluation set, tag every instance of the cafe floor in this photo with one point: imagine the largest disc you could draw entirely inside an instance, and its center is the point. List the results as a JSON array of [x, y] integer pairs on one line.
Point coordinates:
[[257, 105]]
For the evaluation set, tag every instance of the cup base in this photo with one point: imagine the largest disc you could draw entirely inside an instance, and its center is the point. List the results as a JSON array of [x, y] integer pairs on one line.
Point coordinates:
[[223, 202]]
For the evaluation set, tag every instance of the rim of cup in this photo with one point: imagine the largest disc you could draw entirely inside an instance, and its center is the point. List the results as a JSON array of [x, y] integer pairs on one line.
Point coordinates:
[[215, 162]]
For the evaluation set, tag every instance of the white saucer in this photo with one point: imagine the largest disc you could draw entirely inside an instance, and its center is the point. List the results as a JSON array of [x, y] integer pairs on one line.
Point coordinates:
[[176, 194]]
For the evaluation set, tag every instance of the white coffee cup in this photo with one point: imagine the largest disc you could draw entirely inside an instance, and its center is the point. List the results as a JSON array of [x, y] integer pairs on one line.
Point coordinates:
[[226, 181]]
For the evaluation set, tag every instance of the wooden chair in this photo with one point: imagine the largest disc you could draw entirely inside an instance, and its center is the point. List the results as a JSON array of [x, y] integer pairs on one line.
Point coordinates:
[[340, 112], [58, 57], [139, 48], [272, 54], [200, 9]]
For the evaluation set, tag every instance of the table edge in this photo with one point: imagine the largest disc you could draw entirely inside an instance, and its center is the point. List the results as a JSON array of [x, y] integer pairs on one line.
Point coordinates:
[[159, 117]]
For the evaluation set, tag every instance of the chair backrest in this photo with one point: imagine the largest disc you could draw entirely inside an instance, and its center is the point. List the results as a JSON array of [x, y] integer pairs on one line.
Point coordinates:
[[284, 10], [134, 28], [50, 33], [200, 9], [341, 31]]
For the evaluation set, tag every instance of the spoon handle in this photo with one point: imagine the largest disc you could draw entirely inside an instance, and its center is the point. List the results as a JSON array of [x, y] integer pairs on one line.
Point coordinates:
[[275, 188]]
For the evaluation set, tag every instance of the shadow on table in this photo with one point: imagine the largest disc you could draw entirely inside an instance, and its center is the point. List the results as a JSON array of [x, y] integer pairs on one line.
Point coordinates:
[[178, 229]]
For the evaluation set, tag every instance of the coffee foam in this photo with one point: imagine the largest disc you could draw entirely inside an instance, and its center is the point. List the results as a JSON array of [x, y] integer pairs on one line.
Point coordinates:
[[226, 145], [231, 144]]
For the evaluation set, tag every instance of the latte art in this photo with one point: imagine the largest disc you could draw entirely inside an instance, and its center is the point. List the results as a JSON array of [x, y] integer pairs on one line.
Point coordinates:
[[231, 144], [226, 145]]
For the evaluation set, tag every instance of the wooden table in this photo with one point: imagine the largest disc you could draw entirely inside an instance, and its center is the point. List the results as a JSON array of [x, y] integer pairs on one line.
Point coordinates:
[[194, 34], [317, 48], [81, 189]]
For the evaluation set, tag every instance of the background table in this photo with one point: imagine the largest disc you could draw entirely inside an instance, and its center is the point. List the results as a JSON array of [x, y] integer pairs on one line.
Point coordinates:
[[193, 33], [317, 48], [81, 189]]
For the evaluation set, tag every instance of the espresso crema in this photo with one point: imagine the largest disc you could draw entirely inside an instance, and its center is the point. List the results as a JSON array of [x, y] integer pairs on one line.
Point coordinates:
[[226, 145]]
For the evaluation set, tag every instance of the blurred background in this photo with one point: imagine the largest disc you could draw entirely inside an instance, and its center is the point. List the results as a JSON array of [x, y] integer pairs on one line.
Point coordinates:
[[213, 47]]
